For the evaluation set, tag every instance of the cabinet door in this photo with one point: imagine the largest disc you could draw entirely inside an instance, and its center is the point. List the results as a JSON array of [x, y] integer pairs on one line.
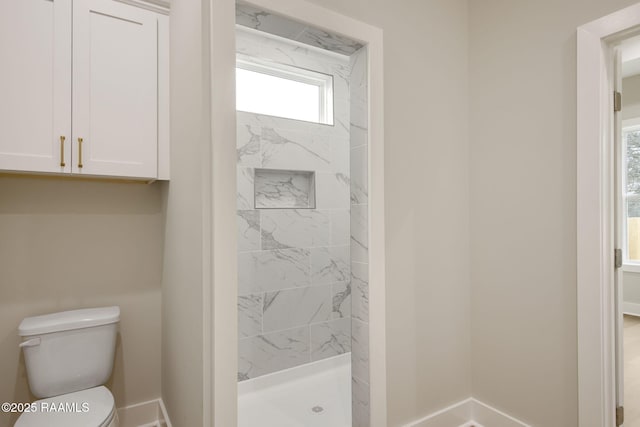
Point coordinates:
[[115, 90], [35, 85]]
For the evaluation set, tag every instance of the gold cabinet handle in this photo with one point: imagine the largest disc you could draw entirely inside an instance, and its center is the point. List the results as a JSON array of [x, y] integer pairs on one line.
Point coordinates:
[[62, 163], [80, 140]]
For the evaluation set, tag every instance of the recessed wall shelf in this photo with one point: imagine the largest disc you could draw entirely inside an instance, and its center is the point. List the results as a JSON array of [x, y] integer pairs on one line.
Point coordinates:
[[284, 189]]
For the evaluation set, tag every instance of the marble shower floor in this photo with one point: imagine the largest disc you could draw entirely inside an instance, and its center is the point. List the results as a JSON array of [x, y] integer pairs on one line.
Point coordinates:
[[313, 395]]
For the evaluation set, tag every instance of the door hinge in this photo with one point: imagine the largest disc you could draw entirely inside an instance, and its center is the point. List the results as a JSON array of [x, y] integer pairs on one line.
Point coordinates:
[[619, 415], [617, 101], [617, 257]]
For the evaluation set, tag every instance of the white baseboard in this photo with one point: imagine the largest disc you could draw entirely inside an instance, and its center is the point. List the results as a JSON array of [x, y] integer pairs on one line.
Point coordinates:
[[490, 416], [631, 308], [455, 415], [146, 414], [468, 413]]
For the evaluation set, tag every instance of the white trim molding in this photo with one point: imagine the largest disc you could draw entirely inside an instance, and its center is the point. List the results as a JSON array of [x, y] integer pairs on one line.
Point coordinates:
[[468, 413], [483, 414], [158, 6], [595, 220], [220, 310], [145, 414], [458, 414], [219, 255]]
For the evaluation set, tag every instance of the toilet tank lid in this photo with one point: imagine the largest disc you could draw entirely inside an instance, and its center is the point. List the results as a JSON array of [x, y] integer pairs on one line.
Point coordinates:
[[68, 320]]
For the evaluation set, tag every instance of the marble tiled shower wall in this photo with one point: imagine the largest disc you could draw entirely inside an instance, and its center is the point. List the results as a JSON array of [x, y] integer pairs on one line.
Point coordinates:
[[294, 298], [253, 17], [359, 130]]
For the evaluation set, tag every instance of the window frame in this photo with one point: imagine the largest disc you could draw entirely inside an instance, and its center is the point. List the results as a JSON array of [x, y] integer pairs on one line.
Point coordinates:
[[324, 82], [628, 265]]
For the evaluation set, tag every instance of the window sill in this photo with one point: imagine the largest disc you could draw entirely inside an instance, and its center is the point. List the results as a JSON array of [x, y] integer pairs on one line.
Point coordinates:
[[631, 268]]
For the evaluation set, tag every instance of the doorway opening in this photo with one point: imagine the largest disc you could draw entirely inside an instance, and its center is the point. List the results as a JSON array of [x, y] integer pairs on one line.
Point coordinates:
[[627, 222], [305, 168], [606, 218]]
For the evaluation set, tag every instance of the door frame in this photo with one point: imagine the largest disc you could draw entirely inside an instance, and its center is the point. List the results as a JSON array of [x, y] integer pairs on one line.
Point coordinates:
[[595, 216], [220, 307]]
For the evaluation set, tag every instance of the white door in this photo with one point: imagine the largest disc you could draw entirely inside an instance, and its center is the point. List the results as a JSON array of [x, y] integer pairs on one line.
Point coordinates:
[[35, 85], [115, 90], [619, 232]]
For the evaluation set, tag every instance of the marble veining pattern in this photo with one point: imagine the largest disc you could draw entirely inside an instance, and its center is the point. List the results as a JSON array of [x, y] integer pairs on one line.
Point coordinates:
[[284, 189], [358, 136], [341, 300], [330, 338], [358, 126], [289, 149], [268, 353], [341, 150], [248, 144], [245, 189], [294, 228], [359, 233], [333, 191], [360, 403], [292, 307], [300, 293], [358, 112], [257, 122], [340, 223], [330, 265], [265, 271], [249, 315], [360, 350], [359, 176], [328, 41], [248, 230], [252, 17], [360, 291]]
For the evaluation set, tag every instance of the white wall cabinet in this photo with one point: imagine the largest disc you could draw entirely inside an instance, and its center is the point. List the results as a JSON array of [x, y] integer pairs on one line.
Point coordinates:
[[82, 86], [35, 85]]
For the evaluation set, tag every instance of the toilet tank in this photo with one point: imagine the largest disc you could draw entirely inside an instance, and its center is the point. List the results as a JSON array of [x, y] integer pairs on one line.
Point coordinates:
[[69, 351]]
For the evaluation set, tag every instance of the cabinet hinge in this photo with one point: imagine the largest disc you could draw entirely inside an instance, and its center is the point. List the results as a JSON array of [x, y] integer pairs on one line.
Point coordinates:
[[617, 101], [617, 257], [619, 415]]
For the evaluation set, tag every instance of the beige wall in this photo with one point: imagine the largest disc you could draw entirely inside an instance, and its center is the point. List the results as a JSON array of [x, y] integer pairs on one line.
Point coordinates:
[[631, 97], [426, 164], [523, 170], [520, 161], [76, 244], [631, 287], [182, 282]]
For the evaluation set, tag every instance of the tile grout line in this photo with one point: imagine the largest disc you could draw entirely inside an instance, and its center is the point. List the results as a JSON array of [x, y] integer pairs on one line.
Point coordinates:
[[256, 121]]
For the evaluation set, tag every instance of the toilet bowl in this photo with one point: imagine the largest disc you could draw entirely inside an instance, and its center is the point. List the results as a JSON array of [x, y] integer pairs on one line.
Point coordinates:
[[68, 357], [87, 408]]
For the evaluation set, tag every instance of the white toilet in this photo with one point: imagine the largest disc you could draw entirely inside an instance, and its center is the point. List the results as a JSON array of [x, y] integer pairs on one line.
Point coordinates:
[[69, 356]]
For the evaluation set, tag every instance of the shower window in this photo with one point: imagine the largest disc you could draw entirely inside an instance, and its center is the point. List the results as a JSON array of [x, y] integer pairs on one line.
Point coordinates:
[[283, 91]]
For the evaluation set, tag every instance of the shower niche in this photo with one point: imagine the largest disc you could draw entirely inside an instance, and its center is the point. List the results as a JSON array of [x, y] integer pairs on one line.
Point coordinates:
[[284, 189]]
